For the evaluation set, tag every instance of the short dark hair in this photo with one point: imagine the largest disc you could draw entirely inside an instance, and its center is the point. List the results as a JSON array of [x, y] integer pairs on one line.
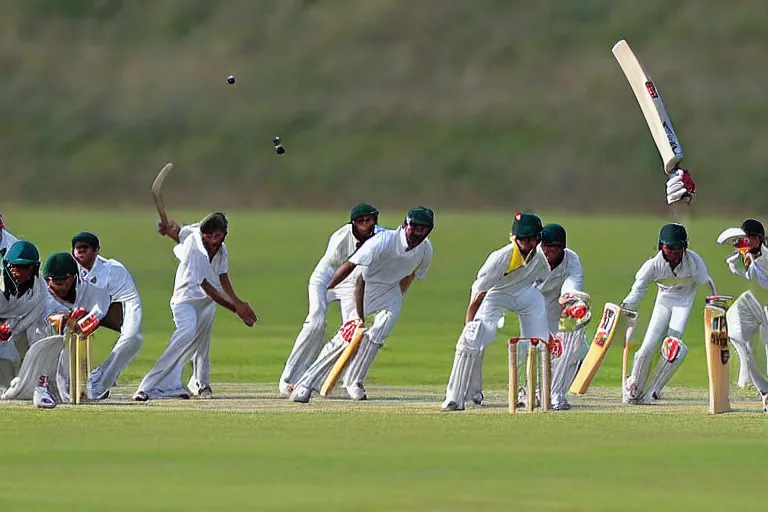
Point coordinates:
[[214, 222]]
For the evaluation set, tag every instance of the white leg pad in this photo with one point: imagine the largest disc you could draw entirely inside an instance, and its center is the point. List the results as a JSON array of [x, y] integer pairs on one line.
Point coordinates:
[[744, 319], [313, 377], [565, 366], [41, 359], [673, 351], [471, 343], [476, 377]]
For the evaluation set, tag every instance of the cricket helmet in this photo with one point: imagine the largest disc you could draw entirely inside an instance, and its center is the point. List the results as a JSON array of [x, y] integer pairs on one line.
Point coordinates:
[[22, 253], [753, 227], [673, 235], [60, 264], [363, 209], [87, 238], [526, 225], [553, 234], [420, 216]]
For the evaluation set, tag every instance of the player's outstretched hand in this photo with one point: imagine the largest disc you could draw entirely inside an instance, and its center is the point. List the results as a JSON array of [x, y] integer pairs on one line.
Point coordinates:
[[245, 313], [680, 186], [170, 229]]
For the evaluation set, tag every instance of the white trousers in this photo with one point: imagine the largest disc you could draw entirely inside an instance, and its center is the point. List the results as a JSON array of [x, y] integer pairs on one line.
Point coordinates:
[[310, 339], [745, 318], [14, 350], [191, 341], [127, 346], [43, 358]]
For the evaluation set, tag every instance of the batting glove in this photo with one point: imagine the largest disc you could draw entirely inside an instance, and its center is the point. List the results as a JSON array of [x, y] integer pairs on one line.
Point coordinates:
[[680, 186]]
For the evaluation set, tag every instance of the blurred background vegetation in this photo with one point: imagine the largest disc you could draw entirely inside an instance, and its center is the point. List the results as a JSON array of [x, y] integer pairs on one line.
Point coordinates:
[[452, 103]]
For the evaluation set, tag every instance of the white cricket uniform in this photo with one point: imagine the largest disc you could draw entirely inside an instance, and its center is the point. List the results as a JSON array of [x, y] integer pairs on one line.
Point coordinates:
[[507, 279], [114, 277], [6, 240], [341, 246], [676, 293], [567, 277], [746, 318], [385, 261], [24, 315], [193, 313]]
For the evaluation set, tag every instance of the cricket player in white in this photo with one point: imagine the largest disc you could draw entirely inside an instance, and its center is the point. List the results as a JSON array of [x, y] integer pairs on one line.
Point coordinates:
[[677, 271], [391, 260], [22, 301], [6, 239], [202, 281], [343, 243], [567, 311], [114, 277], [504, 283], [746, 317]]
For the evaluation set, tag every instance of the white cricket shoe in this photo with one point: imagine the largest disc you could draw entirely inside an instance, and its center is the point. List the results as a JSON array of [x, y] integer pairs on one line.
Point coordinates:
[[765, 403], [301, 394], [357, 392], [43, 398], [285, 388], [450, 405], [630, 393], [478, 398], [205, 392]]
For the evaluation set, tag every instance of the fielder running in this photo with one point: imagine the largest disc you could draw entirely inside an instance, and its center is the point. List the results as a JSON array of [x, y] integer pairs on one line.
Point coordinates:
[[343, 243], [504, 283], [677, 271], [112, 276], [202, 281], [390, 262], [6, 239], [746, 317]]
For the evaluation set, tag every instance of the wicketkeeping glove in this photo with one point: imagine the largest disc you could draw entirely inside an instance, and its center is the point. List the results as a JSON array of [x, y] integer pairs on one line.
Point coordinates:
[[680, 186], [575, 313], [5, 332]]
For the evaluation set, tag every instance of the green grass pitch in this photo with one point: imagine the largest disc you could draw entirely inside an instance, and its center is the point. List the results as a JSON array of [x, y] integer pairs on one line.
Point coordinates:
[[252, 450]]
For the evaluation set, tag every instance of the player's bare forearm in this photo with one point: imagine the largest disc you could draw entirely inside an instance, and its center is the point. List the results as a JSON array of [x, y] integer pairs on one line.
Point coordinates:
[[171, 229], [226, 283], [406, 282], [474, 305], [360, 297], [217, 297], [341, 274]]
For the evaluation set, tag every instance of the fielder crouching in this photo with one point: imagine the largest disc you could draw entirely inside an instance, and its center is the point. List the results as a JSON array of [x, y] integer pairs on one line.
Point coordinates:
[[746, 317], [390, 262], [677, 272]]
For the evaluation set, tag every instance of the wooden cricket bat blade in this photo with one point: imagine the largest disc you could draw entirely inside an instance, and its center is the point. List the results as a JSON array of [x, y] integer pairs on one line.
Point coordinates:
[[157, 191], [341, 362]]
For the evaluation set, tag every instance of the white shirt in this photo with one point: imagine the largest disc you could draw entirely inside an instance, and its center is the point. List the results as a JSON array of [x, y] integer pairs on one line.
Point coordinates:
[[341, 246], [758, 270], [386, 260], [18, 310], [112, 275], [568, 276], [86, 296], [505, 269], [681, 282], [7, 240], [195, 266]]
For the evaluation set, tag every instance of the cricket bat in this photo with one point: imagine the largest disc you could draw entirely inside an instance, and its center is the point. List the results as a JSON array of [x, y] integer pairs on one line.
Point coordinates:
[[647, 95], [341, 362], [606, 330], [157, 191], [716, 342]]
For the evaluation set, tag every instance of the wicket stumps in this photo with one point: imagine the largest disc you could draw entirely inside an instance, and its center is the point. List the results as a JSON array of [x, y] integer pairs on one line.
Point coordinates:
[[79, 365], [531, 374]]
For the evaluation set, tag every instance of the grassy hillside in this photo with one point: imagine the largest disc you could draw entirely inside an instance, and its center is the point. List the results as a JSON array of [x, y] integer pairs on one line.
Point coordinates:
[[453, 103]]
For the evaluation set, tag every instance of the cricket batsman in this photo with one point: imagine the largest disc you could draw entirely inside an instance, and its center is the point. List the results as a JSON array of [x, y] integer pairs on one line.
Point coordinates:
[[746, 317], [677, 272], [202, 281], [390, 262], [114, 277], [504, 283], [362, 225]]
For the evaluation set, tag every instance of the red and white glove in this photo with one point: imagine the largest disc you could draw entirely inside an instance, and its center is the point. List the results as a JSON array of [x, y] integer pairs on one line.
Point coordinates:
[[90, 321], [680, 186], [575, 313], [5, 332]]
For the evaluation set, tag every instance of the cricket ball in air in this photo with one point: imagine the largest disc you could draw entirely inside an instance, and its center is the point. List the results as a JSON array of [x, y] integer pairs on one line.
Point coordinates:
[[230, 79]]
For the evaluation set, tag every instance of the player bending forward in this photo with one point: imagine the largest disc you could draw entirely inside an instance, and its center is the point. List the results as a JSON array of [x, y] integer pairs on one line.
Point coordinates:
[[202, 281], [746, 316], [567, 311], [390, 262], [114, 277], [504, 283], [677, 271], [342, 244]]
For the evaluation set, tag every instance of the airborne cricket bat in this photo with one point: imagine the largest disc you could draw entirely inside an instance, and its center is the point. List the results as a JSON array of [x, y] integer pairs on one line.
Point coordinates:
[[653, 109], [157, 191]]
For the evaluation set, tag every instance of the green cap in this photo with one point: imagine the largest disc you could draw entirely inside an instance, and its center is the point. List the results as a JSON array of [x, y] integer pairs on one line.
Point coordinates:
[[673, 235], [22, 253], [526, 225], [87, 238], [421, 215], [60, 264], [361, 210], [553, 234]]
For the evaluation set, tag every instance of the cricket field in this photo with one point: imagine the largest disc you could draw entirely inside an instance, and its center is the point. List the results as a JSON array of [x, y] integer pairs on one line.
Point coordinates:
[[250, 449]]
